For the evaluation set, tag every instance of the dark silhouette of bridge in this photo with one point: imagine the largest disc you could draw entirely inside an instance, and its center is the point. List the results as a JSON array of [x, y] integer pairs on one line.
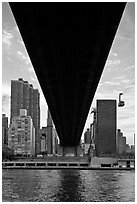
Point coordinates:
[[68, 44]]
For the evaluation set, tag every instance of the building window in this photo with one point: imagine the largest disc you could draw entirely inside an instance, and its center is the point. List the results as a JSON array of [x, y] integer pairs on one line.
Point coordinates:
[[26, 121], [19, 138]]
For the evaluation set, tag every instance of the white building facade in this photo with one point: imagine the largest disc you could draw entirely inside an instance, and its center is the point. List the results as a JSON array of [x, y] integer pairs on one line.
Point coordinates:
[[22, 135], [43, 138]]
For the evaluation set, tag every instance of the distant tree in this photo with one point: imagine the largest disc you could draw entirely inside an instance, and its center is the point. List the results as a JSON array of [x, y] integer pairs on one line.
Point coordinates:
[[7, 153]]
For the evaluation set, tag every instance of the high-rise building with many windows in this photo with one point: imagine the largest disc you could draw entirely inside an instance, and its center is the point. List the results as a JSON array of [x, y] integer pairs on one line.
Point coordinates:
[[105, 141], [43, 137], [49, 134], [4, 130], [87, 140], [49, 138], [24, 96], [22, 134]]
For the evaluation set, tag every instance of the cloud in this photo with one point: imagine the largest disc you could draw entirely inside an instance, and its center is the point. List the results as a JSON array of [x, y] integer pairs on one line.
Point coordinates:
[[21, 42], [111, 83], [130, 88], [127, 24], [5, 102], [31, 69], [113, 53], [6, 89], [16, 29], [17, 35], [125, 81], [120, 81], [127, 122], [122, 37], [22, 56], [100, 84], [33, 79], [6, 39], [6, 92], [10, 59], [110, 62], [130, 67], [119, 77], [6, 105]]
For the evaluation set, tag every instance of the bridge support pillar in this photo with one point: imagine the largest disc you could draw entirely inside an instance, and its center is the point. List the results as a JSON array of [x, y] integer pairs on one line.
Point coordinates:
[[69, 151], [72, 151]]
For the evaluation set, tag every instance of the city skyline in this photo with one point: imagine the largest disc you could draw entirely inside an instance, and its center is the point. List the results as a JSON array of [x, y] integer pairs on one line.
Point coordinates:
[[118, 74]]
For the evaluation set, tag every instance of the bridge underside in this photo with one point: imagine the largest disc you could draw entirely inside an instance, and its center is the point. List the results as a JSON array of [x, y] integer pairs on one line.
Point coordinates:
[[68, 44]]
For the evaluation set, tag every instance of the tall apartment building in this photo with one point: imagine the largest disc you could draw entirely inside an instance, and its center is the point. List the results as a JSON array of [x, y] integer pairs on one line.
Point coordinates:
[[105, 141], [133, 149], [87, 140], [4, 130], [128, 149], [22, 134], [49, 139], [49, 134], [121, 142], [43, 138], [24, 96], [93, 126], [55, 141]]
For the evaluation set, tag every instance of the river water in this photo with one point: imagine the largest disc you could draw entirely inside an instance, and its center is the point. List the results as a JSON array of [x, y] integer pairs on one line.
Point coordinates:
[[68, 186]]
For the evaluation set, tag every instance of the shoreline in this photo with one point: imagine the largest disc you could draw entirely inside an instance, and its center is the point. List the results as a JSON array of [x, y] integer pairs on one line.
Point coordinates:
[[74, 168]]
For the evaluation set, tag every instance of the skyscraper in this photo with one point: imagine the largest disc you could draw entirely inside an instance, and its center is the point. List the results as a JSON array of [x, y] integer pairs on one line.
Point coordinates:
[[105, 141], [43, 138], [49, 138], [4, 130], [55, 141], [22, 134], [87, 140], [121, 142], [49, 134], [24, 96]]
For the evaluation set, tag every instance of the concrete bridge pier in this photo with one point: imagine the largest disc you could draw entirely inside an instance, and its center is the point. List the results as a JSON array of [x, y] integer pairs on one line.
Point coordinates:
[[69, 151]]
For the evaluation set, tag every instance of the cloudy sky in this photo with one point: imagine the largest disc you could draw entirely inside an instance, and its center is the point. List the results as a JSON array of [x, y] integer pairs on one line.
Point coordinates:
[[118, 75]]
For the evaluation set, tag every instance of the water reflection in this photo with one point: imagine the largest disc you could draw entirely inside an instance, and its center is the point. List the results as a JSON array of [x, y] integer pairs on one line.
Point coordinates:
[[70, 186], [20, 185], [108, 186], [48, 185]]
